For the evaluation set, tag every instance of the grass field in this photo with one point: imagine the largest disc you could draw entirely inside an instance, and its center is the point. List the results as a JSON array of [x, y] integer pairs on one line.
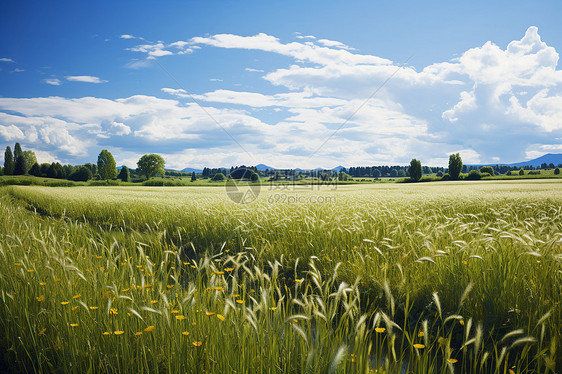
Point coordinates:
[[433, 277]]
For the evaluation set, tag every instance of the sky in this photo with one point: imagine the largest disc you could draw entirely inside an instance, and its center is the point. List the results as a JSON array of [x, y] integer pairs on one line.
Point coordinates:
[[288, 84]]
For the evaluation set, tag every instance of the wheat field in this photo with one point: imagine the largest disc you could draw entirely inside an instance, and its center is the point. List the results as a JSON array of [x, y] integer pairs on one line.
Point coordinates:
[[459, 277]]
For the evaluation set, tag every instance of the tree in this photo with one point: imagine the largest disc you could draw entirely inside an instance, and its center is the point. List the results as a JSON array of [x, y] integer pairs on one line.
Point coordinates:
[[19, 160], [377, 174], [35, 170], [150, 165], [254, 177], [30, 159], [45, 169], [415, 170], [82, 174], [394, 173], [193, 177], [474, 175], [124, 174], [487, 169], [218, 177], [455, 166], [521, 172], [8, 162], [556, 171], [401, 173], [106, 165]]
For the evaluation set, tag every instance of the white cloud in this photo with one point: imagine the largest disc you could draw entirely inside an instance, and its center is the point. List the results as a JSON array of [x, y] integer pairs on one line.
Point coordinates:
[[333, 43], [10, 133], [215, 80], [254, 70], [5, 59], [84, 78], [52, 81]]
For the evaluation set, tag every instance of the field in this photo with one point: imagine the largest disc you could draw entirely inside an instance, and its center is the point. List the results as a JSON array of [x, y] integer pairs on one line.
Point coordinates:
[[460, 277]]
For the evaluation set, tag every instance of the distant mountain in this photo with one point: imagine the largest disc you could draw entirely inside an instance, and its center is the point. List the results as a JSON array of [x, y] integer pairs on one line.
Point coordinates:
[[191, 170], [338, 168], [549, 158], [264, 167]]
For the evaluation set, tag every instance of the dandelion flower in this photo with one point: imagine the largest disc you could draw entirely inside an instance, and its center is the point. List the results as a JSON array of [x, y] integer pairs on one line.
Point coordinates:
[[511, 371], [273, 308], [298, 280], [74, 308], [229, 269], [149, 329], [180, 317], [43, 284], [74, 325], [465, 262], [295, 320], [93, 307], [106, 333], [58, 280], [18, 264], [174, 311], [98, 257], [154, 301], [76, 296], [138, 333], [120, 332], [219, 272], [461, 322], [41, 298], [125, 289], [185, 333], [419, 346], [420, 334], [113, 311], [236, 295], [221, 317], [30, 270], [380, 329], [169, 286], [64, 302], [42, 332], [452, 360], [197, 344], [239, 301], [209, 314], [148, 285]]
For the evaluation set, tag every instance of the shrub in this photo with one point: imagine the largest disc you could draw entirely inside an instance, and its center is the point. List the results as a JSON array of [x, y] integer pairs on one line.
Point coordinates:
[[521, 172], [83, 174], [474, 175], [556, 171], [446, 177], [218, 177], [487, 169]]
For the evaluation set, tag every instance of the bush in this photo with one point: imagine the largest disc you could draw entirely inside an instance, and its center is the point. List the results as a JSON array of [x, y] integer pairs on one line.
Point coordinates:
[[446, 177], [521, 172], [83, 174], [474, 175], [218, 177], [104, 183], [534, 172], [508, 173], [556, 171], [439, 174], [487, 169]]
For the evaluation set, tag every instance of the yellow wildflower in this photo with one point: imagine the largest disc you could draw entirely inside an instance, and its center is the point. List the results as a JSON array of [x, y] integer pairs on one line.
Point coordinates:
[[419, 346], [197, 344], [380, 329], [120, 332], [65, 302], [74, 325], [185, 333], [149, 329], [42, 332], [221, 317], [41, 298]]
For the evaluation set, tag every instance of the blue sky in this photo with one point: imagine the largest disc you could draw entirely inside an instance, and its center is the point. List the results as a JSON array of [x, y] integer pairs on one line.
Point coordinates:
[[226, 83]]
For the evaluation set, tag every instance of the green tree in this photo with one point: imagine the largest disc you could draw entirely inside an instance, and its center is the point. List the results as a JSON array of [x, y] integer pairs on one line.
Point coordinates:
[[124, 174], [82, 174], [30, 160], [35, 170], [521, 172], [19, 160], [455, 166], [487, 169], [415, 170], [106, 165], [557, 171], [254, 177], [377, 174], [1, 171], [401, 173], [193, 177], [150, 165], [8, 161], [394, 173], [218, 177]]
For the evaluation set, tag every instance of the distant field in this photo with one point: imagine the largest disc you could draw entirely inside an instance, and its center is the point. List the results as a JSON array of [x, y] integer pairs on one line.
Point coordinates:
[[432, 277]]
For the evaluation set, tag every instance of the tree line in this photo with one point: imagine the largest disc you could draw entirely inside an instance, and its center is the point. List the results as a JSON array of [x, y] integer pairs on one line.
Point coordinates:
[[22, 162]]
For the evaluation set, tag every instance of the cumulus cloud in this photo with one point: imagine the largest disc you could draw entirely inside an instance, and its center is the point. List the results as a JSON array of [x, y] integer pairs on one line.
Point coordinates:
[[5, 59], [84, 78]]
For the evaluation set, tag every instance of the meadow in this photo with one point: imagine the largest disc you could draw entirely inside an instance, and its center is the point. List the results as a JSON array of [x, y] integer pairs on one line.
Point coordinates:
[[459, 277]]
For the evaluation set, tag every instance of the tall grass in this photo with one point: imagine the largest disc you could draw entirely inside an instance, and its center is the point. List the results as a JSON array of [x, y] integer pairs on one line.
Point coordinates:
[[389, 278]]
